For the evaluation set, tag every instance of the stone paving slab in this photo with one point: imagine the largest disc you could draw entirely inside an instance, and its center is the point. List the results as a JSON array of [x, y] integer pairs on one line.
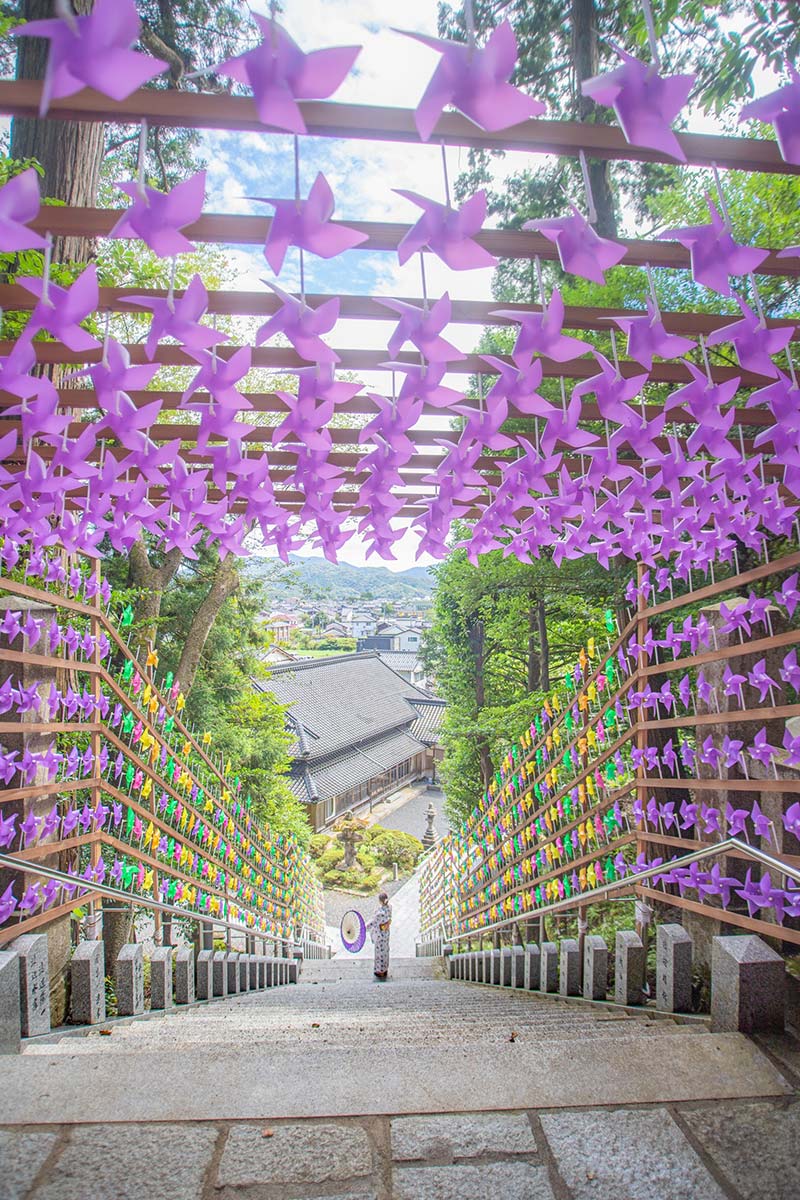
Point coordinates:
[[713, 1151], [318, 1081], [637, 1155]]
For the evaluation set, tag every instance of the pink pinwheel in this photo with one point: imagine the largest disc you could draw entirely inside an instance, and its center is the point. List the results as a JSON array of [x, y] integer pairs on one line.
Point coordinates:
[[475, 81], [782, 110], [307, 224], [302, 325], [790, 671], [158, 217], [60, 310], [92, 51], [714, 254], [645, 103], [540, 333], [760, 680], [424, 382], [648, 339], [280, 74], [580, 249], [178, 317], [448, 232], [19, 204], [787, 595], [422, 327], [754, 342]]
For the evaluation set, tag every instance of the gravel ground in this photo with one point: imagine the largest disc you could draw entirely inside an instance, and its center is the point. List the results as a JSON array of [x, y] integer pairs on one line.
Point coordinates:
[[338, 903]]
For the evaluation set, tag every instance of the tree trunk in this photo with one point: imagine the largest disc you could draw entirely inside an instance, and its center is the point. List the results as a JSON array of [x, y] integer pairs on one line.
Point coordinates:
[[544, 644], [585, 58], [70, 152], [534, 666], [225, 584], [476, 637], [153, 582]]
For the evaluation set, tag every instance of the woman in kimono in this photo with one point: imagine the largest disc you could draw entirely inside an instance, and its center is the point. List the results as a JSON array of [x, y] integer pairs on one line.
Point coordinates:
[[379, 932]]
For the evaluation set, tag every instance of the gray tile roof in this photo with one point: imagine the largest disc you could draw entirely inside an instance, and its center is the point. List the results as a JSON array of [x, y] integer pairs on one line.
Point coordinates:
[[342, 701], [431, 714], [400, 660], [358, 764]]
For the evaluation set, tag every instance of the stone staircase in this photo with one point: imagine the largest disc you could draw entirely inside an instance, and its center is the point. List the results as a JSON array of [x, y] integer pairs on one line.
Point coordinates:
[[338, 1004]]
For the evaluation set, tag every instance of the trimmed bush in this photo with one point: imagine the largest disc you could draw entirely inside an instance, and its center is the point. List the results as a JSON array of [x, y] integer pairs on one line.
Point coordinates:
[[318, 844], [333, 855], [390, 845]]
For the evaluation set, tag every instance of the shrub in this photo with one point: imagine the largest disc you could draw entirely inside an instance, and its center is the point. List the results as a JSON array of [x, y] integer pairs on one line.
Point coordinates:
[[318, 844], [366, 858], [329, 859], [353, 879], [390, 845]]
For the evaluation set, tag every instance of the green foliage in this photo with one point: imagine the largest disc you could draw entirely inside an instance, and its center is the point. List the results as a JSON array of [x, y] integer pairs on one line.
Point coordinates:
[[330, 857], [366, 858], [318, 844], [354, 879], [387, 846]]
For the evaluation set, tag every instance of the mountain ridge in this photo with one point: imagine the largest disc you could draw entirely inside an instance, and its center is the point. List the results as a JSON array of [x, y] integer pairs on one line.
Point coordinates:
[[341, 581]]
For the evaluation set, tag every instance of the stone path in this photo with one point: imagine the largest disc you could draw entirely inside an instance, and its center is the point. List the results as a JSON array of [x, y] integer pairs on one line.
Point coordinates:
[[712, 1151], [406, 811]]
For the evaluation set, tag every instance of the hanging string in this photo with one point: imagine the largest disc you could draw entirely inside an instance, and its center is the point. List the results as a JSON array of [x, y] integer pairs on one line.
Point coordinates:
[[171, 290], [424, 284], [652, 285], [790, 361], [48, 258], [591, 210], [704, 352], [446, 180], [64, 9], [563, 394], [537, 262], [480, 392], [106, 337], [651, 32], [140, 157], [615, 353], [762, 320], [723, 206], [302, 279], [297, 170], [469, 19]]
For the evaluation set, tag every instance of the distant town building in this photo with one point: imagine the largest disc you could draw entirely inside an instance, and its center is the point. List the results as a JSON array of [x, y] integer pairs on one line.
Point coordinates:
[[361, 731], [281, 626]]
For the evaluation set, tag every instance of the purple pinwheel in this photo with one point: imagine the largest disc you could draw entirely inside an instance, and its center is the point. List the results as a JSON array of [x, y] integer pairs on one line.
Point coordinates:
[[611, 389], [305, 423], [448, 232], [755, 343], [791, 820], [710, 820], [732, 683], [760, 680], [11, 624], [787, 596], [29, 828], [158, 217], [645, 103], [302, 325], [7, 694], [688, 815], [50, 823], [719, 885], [178, 317], [475, 81], [731, 751], [28, 699], [8, 764], [782, 110], [757, 895], [307, 224], [19, 204], [791, 745], [648, 339], [709, 753], [580, 249], [687, 755], [735, 619], [541, 333], [669, 757], [714, 254], [761, 823], [32, 630], [736, 820], [422, 327], [60, 310], [7, 829], [92, 51], [790, 671], [279, 74], [219, 376], [760, 749], [8, 903]]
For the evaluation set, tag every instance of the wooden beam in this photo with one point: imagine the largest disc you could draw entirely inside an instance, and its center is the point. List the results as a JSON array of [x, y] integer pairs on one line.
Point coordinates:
[[236, 230], [193, 110]]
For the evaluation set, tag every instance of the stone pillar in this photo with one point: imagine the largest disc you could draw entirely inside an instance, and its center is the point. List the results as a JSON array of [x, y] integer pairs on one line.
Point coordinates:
[[129, 981], [34, 983], [630, 963], [748, 986], [205, 975], [220, 973], [270, 972], [244, 972], [494, 967], [505, 967], [161, 977], [292, 971], [548, 978], [233, 972], [253, 968], [262, 972], [9, 1003], [673, 969], [595, 967], [184, 975], [518, 966], [569, 968], [87, 985], [532, 973]]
